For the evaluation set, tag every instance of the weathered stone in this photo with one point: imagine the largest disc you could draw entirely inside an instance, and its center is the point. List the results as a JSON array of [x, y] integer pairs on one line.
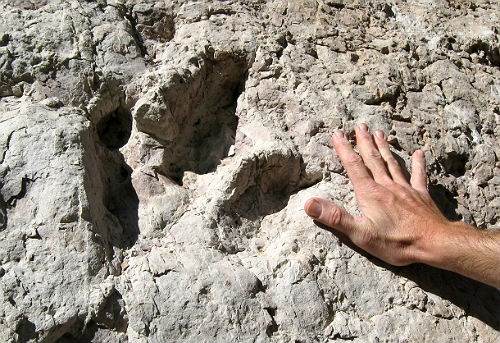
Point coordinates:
[[155, 158]]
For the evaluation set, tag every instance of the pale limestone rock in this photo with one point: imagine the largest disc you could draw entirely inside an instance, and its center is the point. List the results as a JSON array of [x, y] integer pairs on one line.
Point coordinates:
[[155, 158]]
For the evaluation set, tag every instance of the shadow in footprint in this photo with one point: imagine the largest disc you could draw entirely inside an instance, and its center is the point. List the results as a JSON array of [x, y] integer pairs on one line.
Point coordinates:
[[115, 128], [193, 117], [114, 204], [209, 126], [119, 196], [454, 163], [488, 54], [121, 200]]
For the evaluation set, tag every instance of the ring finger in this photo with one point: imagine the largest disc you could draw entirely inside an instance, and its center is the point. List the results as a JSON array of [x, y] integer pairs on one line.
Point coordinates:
[[392, 164]]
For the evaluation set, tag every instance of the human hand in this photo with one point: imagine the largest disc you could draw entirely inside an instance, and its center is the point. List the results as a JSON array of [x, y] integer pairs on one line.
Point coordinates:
[[400, 223], [399, 216]]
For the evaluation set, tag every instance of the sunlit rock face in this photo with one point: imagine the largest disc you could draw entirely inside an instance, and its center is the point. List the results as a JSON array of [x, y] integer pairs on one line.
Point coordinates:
[[155, 157]]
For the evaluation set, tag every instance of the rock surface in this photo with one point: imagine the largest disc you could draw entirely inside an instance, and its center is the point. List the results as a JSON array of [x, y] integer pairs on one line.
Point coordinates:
[[155, 157]]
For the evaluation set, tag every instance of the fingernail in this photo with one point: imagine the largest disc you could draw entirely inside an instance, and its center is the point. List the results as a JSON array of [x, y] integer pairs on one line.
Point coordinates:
[[363, 127], [314, 209], [419, 153], [339, 134], [379, 134]]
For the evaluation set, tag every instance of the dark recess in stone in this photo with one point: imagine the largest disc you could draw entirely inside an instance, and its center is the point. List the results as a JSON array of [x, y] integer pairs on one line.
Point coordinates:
[[115, 128], [4, 39], [69, 338], [487, 54], [445, 201], [122, 201], [113, 316], [155, 23], [110, 323], [132, 28], [337, 4], [3, 214], [273, 326], [390, 98], [388, 11], [26, 330], [25, 184], [208, 129], [118, 196], [455, 164]]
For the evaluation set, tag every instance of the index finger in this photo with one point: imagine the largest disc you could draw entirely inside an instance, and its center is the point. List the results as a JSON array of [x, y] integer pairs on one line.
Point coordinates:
[[352, 162]]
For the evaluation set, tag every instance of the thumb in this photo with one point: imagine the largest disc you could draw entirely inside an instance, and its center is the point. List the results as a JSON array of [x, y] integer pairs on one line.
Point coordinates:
[[331, 215]]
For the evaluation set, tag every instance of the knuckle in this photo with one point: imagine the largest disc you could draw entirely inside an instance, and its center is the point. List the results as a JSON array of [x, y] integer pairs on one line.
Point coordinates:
[[406, 196], [417, 173], [382, 196], [334, 216], [354, 159], [392, 161], [375, 154]]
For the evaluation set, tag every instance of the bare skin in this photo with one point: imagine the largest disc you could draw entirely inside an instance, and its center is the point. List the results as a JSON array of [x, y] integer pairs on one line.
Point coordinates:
[[401, 223]]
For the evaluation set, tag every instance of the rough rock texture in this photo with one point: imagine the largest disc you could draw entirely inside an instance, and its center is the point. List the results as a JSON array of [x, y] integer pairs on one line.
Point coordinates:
[[155, 157]]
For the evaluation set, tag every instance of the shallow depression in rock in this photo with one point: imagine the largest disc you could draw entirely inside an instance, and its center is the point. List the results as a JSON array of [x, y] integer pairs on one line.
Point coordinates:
[[208, 131], [265, 183], [196, 117]]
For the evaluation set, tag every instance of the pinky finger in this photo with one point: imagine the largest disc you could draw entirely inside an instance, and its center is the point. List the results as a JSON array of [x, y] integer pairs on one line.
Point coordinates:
[[418, 175]]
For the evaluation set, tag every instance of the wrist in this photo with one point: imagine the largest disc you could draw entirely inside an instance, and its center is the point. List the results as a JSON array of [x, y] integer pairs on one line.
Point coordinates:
[[461, 248], [432, 248], [445, 243]]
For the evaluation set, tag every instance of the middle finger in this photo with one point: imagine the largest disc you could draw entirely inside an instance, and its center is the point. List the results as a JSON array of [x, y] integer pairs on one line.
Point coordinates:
[[371, 155]]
